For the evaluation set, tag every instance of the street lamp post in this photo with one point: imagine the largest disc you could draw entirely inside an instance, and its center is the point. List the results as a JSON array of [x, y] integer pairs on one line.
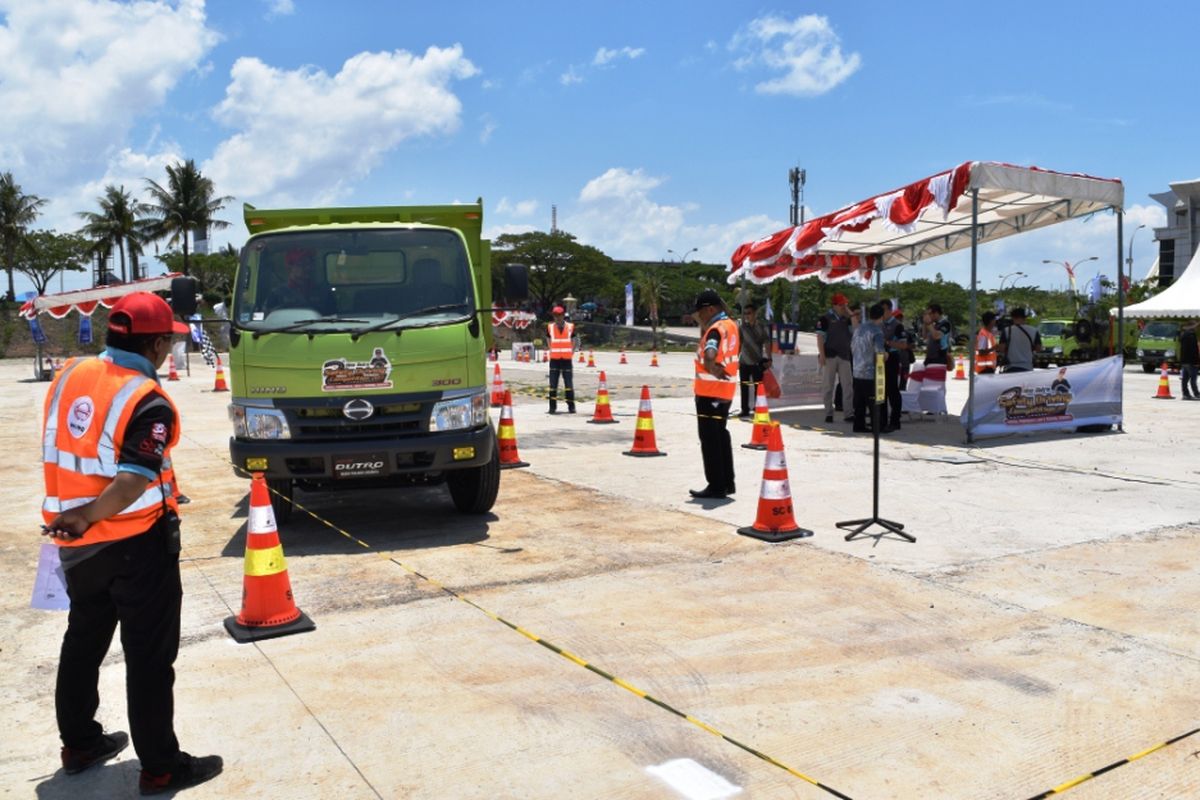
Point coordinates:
[[683, 259], [1129, 259], [1071, 274], [1003, 278]]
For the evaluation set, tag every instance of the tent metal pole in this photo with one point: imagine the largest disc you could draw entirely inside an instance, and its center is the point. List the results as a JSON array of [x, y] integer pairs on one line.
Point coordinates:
[[1121, 305], [974, 315]]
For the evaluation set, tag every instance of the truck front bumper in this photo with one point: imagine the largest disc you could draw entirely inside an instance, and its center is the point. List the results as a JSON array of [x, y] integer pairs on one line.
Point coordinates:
[[363, 458]]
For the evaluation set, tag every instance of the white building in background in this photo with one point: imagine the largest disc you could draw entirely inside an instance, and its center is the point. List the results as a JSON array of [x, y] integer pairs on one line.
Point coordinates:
[[1178, 239]]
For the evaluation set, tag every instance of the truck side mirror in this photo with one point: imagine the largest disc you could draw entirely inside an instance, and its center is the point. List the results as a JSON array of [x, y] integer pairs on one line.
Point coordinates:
[[516, 282], [183, 296]]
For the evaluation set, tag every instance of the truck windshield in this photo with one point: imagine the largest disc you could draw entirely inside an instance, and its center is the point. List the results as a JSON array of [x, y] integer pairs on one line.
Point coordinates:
[[1051, 328], [1161, 330], [342, 278]]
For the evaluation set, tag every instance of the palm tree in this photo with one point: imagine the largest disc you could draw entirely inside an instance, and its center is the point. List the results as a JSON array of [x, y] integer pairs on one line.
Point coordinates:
[[187, 203], [17, 212], [116, 224], [653, 285]]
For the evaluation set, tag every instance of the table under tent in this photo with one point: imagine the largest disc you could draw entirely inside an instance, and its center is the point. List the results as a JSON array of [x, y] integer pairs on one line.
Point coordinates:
[[960, 208], [84, 302]]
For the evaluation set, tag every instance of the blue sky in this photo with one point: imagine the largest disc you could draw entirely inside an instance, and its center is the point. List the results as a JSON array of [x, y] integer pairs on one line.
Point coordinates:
[[653, 127]]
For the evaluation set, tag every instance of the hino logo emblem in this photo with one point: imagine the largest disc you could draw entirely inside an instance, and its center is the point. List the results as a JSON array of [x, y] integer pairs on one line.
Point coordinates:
[[358, 409]]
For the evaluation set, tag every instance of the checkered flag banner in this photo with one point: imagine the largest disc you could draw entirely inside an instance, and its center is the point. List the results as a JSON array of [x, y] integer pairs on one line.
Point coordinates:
[[206, 349]]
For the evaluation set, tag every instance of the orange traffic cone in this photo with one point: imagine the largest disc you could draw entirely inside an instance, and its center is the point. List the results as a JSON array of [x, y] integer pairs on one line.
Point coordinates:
[[603, 413], [219, 385], [643, 437], [581, 358], [497, 387], [1164, 385], [654, 359], [959, 373], [591, 359], [268, 608], [545, 356], [762, 422], [509, 458], [172, 375], [622, 361], [776, 521]]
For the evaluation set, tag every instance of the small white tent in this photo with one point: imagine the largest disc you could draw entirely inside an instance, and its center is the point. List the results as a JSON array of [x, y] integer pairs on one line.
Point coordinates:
[[1180, 299]]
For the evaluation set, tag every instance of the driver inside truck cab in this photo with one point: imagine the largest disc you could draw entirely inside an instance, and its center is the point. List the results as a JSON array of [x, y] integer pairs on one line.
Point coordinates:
[[297, 285]]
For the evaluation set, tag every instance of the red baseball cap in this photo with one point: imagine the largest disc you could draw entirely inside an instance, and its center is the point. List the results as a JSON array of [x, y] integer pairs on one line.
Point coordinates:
[[897, 313], [143, 314], [557, 310], [839, 299]]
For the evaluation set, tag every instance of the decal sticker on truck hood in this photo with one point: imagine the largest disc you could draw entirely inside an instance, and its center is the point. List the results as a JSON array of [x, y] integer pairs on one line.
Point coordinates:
[[343, 375]]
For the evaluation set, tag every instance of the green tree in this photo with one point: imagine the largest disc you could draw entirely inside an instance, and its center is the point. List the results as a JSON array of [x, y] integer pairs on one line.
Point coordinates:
[[49, 254], [558, 265], [117, 225], [214, 271], [17, 212], [187, 203], [650, 283]]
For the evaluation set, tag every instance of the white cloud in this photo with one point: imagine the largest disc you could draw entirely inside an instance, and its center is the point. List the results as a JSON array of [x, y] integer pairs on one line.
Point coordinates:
[[78, 73], [489, 127], [616, 213], [805, 50], [279, 8], [519, 208], [496, 231], [307, 136], [571, 76], [605, 55]]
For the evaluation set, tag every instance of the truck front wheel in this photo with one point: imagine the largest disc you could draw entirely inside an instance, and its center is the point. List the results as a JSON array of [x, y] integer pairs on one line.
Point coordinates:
[[474, 490], [281, 498]]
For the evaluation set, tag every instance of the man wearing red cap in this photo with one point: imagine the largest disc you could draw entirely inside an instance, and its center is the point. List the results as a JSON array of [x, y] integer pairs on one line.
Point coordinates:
[[833, 353], [561, 335], [110, 506]]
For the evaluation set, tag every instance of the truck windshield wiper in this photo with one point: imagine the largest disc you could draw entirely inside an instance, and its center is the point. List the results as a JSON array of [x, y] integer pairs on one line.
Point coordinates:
[[407, 315], [304, 323]]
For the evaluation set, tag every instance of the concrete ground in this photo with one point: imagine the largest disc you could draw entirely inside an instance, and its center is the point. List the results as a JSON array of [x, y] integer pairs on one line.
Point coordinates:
[[1041, 627]]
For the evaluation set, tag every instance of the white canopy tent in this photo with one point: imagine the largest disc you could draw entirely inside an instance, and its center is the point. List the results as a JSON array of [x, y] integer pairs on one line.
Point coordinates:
[[1180, 299], [974, 202]]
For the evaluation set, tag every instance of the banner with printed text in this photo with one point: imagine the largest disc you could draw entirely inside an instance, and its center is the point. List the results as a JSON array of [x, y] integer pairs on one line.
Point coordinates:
[[1064, 398]]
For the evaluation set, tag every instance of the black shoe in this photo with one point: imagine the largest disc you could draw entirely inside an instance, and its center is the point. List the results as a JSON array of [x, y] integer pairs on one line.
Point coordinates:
[[190, 771], [829, 417], [860, 429], [571, 410], [848, 419], [745, 415], [74, 760], [706, 492], [889, 429], [552, 411], [731, 489], [182, 499]]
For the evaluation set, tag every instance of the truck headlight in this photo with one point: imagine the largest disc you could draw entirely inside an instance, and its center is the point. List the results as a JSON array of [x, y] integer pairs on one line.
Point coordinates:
[[1169, 354], [459, 413], [1140, 352], [250, 422], [1056, 350]]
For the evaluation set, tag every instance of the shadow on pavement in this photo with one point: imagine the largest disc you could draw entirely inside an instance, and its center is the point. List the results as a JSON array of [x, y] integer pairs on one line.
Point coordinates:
[[115, 779]]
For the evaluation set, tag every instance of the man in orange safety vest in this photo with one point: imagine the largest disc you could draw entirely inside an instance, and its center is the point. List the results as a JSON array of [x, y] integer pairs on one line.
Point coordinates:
[[560, 335], [715, 385]]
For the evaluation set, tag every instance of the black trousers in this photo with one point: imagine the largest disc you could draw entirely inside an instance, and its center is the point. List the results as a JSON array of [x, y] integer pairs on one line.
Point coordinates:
[[134, 582], [563, 367], [864, 402], [751, 375], [715, 446], [891, 379]]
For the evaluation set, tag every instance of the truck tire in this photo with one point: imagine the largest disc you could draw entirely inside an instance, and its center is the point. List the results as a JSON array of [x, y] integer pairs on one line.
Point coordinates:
[[1147, 368], [474, 490], [281, 498], [1083, 330]]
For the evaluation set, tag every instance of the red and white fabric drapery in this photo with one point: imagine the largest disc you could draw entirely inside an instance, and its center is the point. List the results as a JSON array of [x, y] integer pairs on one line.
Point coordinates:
[[517, 320], [85, 301], [796, 252]]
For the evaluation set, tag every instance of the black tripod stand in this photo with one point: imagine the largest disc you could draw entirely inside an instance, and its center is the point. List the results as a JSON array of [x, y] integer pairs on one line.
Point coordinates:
[[858, 527]]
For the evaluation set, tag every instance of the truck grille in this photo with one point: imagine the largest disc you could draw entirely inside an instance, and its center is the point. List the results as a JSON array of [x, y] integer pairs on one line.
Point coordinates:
[[328, 421]]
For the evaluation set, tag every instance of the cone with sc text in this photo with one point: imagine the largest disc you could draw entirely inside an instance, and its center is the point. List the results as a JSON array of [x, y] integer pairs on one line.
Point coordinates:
[[603, 413], [268, 608], [644, 443], [219, 384], [172, 375], [1164, 385], [776, 522], [959, 373], [654, 359], [497, 387], [762, 421], [507, 437], [622, 361]]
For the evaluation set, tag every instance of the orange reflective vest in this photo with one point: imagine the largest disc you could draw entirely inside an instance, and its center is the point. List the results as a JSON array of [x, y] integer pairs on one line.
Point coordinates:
[[561, 344], [87, 410], [986, 340], [705, 384]]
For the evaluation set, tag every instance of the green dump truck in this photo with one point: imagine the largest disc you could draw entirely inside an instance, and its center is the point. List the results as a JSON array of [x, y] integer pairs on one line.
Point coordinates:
[[1159, 344], [357, 351], [1071, 340]]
